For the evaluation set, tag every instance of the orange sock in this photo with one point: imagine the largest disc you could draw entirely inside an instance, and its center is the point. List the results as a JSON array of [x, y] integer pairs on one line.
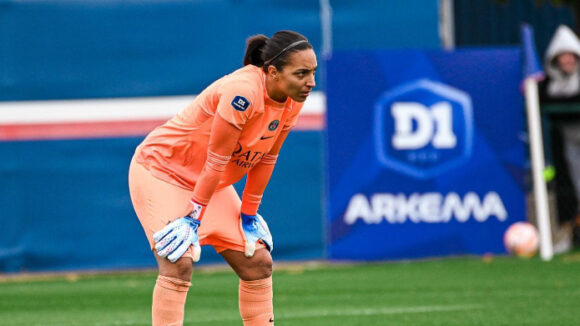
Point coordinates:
[[169, 301], [255, 301]]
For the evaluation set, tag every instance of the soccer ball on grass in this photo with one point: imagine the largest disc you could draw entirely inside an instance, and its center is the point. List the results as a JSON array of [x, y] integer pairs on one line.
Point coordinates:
[[521, 239]]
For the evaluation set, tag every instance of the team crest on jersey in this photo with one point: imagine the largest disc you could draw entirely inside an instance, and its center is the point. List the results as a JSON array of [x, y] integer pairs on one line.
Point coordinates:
[[240, 103], [273, 125]]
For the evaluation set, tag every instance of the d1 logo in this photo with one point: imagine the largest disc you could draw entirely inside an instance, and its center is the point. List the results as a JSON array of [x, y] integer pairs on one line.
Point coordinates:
[[424, 128]]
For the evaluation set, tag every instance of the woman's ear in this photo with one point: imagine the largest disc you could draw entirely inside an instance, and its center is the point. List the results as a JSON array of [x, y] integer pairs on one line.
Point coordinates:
[[273, 72]]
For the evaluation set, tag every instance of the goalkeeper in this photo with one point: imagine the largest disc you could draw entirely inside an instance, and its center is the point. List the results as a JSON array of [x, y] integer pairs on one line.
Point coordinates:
[[181, 175]]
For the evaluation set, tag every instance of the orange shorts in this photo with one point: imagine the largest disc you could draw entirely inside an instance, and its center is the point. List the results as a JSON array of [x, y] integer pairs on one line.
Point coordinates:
[[157, 203]]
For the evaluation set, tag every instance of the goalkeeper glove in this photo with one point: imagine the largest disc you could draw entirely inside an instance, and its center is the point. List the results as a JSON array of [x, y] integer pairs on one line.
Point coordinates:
[[254, 228], [174, 239]]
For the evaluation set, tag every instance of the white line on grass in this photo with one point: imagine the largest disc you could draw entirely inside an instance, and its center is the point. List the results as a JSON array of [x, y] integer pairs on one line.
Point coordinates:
[[375, 311], [312, 313], [337, 312]]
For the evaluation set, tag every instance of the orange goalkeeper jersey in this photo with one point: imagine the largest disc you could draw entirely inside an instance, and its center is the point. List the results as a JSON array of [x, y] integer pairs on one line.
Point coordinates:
[[176, 151]]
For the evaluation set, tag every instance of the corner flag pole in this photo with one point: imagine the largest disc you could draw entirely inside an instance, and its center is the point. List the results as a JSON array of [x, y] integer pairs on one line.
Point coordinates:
[[326, 27], [533, 73]]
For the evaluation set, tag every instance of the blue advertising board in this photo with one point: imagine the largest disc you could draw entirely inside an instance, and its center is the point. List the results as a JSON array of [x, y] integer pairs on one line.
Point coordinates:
[[425, 152]]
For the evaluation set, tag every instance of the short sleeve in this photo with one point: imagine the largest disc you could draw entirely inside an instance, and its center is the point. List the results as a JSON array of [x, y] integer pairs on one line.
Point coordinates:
[[236, 102], [293, 117]]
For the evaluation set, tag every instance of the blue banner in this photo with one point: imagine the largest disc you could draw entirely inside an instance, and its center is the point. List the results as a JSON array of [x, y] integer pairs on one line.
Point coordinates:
[[425, 153]]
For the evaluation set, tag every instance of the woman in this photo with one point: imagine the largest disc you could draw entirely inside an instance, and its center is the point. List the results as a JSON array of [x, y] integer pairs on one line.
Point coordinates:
[[181, 176]]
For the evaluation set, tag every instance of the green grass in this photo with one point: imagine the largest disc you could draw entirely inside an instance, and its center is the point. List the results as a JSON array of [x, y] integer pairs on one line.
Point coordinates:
[[466, 291]]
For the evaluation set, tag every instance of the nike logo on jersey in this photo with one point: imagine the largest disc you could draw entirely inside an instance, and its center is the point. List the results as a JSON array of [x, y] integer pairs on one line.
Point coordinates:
[[264, 137], [271, 319]]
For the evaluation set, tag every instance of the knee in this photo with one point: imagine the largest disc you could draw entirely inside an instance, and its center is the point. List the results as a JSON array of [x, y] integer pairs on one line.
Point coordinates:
[[265, 268], [259, 269], [184, 269], [181, 269]]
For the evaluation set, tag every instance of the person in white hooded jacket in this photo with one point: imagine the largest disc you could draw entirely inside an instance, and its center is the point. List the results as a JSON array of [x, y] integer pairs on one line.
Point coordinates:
[[562, 82], [562, 86]]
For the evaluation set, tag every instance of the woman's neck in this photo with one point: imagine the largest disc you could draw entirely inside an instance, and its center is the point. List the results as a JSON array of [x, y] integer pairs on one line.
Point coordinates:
[[273, 92]]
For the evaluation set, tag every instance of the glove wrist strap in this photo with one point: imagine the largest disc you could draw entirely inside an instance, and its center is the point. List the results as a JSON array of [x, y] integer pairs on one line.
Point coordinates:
[[197, 211], [246, 216]]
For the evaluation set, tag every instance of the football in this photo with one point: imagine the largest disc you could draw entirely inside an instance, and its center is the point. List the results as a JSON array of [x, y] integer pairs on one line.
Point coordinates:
[[521, 239]]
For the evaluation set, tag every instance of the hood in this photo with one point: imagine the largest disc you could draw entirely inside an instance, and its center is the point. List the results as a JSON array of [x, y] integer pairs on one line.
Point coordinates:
[[564, 40]]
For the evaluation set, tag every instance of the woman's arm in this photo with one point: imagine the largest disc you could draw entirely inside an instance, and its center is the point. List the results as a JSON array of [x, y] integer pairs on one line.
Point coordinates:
[[222, 142], [259, 176]]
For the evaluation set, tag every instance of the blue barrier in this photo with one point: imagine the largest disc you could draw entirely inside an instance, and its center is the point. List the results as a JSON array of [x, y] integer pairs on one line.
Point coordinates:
[[59, 197], [65, 205]]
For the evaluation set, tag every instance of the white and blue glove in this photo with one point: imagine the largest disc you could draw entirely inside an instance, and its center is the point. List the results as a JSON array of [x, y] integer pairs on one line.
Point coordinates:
[[254, 228], [174, 239]]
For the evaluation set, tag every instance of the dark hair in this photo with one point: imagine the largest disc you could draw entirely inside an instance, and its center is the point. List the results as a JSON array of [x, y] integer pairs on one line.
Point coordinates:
[[262, 51]]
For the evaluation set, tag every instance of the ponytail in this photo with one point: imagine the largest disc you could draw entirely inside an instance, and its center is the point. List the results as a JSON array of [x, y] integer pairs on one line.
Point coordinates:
[[254, 46], [262, 51]]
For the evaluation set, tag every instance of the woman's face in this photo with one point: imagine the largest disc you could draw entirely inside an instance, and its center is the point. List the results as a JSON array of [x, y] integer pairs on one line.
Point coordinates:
[[568, 62], [296, 79]]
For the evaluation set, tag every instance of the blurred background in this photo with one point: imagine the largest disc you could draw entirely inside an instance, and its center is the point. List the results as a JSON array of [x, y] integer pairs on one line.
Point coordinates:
[[83, 82]]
